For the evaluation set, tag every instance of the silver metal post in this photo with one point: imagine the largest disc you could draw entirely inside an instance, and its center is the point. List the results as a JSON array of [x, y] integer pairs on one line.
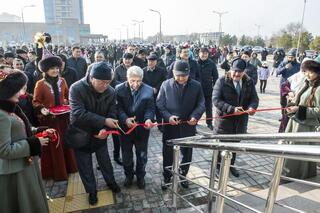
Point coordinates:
[[273, 190], [212, 177], [176, 159], [224, 175]]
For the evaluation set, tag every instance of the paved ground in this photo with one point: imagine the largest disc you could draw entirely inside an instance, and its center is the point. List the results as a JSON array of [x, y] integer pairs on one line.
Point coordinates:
[[153, 199]]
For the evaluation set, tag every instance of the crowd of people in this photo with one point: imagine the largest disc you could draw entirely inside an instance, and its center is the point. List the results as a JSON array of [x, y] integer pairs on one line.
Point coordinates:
[[129, 88]]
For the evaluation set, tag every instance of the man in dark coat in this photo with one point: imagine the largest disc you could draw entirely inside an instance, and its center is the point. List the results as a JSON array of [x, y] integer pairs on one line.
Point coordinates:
[[93, 109], [179, 99], [209, 75], [31, 65], [194, 68], [120, 73], [233, 93], [168, 57], [135, 103], [250, 70], [77, 62], [154, 76], [68, 73]]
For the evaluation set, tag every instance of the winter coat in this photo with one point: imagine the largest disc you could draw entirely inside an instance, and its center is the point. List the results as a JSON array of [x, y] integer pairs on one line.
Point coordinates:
[[70, 75], [185, 104], [168, 59], [263, 73], [154, 78], [80, 65], [89, 110], [209, 75], [306, 119], [225, 98], [120, 73], [20, 180], [251, 71], [142, 108], [286, 73]]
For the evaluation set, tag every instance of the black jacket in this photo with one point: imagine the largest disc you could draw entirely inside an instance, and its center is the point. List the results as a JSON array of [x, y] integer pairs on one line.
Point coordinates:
[[209, 75], [194, 70], [168, 59], [225, 99], [89, 110], [70, 75], [185, 105], [154, 78], [120, 73], [30, 67], [143, 108], [251, 71], [80, 65]]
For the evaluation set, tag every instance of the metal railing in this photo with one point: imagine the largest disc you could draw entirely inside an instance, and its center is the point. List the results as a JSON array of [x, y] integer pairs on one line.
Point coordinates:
[[279, 151]]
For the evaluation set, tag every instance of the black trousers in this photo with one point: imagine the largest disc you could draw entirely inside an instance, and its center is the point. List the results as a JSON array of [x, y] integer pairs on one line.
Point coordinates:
[[116, 146], [84, 162], [140, 142], [208, 104], [263, 85], [167, 153]]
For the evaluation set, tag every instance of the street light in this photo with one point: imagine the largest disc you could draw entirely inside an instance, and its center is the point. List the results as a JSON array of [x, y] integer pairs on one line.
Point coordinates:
[[140, 22], [22, 18], [301, 26], [134, 31], [258, 26], [124, 25], [119, 33], [160, 23], [220, 23]]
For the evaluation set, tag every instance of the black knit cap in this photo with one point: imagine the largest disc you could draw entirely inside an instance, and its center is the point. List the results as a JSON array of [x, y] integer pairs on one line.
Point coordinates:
[[101, 71], [12, 84]]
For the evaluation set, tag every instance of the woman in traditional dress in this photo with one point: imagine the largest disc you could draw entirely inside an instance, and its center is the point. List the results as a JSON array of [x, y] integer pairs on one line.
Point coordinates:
[[51, 91], [304, 113], [20, 181]]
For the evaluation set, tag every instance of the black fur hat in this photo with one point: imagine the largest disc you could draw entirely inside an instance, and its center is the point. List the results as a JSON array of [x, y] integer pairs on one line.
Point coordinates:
[[46, 63], [11, 84]]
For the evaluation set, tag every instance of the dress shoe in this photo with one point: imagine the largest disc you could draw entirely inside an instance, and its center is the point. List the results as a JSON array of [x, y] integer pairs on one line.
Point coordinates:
[[165, 182], [114, 187], [128, 182], [93, 199], [210, 126], [185, 184], [141, 183], [234, 172], [118, 161]]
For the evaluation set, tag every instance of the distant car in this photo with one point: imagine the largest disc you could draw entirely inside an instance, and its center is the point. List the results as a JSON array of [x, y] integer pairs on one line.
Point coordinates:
[[311, 53], [257, 49]]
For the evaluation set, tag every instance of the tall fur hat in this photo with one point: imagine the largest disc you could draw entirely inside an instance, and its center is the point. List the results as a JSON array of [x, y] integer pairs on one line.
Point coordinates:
[[48, 62], [12, 84]]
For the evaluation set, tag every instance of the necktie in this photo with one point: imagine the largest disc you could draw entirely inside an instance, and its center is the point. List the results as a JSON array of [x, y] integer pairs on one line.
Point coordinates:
[[238, 88], [134, 95]]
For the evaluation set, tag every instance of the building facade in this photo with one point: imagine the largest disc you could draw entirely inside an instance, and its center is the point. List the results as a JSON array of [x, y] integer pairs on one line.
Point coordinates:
[[57, 10]]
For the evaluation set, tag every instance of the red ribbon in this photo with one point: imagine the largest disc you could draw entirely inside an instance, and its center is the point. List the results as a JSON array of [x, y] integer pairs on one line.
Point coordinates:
[[213, 118], [53, 136]]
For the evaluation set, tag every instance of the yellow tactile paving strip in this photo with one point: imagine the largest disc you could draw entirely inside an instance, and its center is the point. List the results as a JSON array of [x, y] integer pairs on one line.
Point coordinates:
[[77, 199]]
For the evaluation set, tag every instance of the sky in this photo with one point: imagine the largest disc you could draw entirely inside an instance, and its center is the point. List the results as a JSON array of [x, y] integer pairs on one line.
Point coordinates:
[[184, 16]]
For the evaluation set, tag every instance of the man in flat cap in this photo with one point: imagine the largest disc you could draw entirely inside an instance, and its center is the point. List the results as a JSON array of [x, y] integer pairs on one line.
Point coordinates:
[[180, 99], [154, 76], [234, 92]]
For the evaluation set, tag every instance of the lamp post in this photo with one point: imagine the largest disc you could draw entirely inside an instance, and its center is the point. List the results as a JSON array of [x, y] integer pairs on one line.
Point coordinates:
[[124, 25], [258, 26], [134, 31], [119, 29], [22, 19], [220, 22], [140, 22], [301, 27], [156, 11]]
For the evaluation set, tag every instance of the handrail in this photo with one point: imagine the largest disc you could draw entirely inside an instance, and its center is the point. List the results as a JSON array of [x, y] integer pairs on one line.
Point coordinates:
[[280, 151], [301, 152], [300, 136]]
